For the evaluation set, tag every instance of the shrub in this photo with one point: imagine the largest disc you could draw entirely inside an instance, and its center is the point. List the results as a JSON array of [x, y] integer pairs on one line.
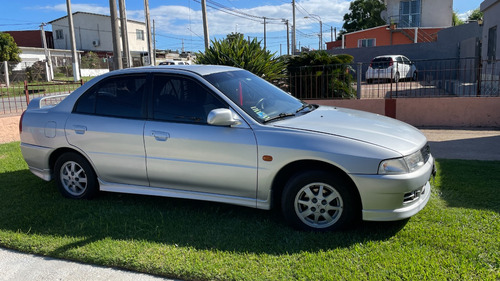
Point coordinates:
[[236, 51], [321, 75]]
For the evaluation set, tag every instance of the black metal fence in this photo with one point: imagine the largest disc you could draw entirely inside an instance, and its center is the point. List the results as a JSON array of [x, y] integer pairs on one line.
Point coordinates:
[[468, 77], [15, 99]]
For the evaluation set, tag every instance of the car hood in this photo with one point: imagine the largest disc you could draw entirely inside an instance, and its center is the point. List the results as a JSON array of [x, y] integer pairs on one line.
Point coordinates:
[[359, 125]]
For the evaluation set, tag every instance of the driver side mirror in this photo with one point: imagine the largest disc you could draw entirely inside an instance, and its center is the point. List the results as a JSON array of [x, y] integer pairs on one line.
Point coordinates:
[[222, 117]]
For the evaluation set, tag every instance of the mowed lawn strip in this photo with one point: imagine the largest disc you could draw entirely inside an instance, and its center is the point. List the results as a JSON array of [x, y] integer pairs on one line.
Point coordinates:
[[456, 236]]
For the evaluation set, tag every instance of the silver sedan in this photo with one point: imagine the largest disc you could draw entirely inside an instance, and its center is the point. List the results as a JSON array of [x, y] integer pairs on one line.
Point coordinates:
[[222, 134]]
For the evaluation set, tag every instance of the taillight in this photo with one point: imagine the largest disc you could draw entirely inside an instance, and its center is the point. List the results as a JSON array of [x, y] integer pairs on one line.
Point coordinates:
[[390, 63], [21, 122], [371, 64]]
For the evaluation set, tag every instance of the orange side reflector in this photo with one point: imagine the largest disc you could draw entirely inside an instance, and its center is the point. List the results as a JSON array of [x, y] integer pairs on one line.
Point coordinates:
[[267, 158]]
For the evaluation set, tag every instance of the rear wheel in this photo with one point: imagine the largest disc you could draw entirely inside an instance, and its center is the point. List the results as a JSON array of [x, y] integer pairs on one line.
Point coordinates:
[[75, 177], [319, 201]]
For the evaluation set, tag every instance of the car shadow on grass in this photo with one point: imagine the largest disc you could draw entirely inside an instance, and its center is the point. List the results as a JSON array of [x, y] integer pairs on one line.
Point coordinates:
[[31, 206]]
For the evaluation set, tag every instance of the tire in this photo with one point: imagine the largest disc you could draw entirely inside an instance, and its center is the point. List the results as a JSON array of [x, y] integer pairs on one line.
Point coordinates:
[[319, 201], [75, 178], [369, 81], [396, 77]]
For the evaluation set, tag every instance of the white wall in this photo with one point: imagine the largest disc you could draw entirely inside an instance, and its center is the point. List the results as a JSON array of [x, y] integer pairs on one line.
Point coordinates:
[[91, 28], [85, 72]]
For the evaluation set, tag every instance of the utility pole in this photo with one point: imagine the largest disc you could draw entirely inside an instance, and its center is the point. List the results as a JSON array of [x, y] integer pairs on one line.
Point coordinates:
[[320, 35], [293, 28], [287, 37], [264, 33], [205, 24], [74, 54], [154, 42], [50, 72], [148, 29], [126, 50], [117, 54]]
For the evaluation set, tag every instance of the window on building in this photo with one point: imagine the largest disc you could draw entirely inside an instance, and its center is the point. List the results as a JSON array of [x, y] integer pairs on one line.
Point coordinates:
[[409, 13], [363, 43], [59, 34], [140, 34], [492, 43]]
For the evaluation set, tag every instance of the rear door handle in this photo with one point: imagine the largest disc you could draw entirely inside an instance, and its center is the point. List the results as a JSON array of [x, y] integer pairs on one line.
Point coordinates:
[[160, 135], [79, 129]]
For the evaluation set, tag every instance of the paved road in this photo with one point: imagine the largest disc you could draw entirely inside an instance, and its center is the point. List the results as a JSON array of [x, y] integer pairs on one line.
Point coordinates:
[[468, 144]]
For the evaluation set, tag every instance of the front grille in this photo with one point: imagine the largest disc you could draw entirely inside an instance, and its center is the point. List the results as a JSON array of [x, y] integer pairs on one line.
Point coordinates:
[[414, 195]]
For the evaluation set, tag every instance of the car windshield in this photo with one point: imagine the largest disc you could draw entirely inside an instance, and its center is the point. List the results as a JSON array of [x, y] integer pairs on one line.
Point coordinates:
[[257, 97]]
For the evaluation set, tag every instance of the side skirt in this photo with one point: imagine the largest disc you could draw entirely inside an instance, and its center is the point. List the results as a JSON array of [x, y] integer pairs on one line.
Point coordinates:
[[176, 193]]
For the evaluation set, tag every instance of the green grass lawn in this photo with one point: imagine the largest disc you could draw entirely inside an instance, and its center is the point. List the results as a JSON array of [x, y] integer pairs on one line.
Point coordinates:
[[456, 236]]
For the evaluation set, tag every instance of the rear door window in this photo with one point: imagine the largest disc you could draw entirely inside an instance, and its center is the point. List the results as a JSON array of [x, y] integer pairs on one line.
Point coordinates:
[[122, 96]]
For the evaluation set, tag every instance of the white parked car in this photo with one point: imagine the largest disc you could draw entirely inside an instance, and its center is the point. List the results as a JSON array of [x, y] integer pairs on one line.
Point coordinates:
[[393, 68], [222, 134]]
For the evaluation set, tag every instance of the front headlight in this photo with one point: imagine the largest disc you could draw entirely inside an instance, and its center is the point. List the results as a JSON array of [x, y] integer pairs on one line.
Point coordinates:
[[402, 165]]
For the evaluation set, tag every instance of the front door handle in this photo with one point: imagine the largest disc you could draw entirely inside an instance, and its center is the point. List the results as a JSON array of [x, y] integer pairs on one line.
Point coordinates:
[[160, 135]]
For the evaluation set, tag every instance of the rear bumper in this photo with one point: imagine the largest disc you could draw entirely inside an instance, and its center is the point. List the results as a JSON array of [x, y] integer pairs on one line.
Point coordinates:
[[37, 158], [383, 74]]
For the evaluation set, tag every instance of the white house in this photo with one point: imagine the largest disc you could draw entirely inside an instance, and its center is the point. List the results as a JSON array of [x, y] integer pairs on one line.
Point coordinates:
[[93, 33]]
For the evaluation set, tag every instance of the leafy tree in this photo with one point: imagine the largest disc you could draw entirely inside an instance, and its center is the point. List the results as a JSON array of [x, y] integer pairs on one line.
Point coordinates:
[[8, 48], [90, 60], [364, 14], [234, 50], [321, 75], [455, 20], [475, 15]]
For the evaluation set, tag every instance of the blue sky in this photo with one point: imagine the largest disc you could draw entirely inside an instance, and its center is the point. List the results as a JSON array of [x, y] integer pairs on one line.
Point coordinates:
[[179, 23]]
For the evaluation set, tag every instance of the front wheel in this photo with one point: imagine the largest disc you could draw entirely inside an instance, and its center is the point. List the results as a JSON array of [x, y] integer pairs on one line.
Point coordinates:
[[319, 201], [75, 177]]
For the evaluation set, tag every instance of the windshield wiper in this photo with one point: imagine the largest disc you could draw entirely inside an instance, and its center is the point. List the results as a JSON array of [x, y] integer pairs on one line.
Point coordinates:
[[304, 106], [279, 116]]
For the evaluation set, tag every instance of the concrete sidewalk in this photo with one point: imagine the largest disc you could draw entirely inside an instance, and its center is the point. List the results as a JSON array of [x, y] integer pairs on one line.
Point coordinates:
[[19, 266]]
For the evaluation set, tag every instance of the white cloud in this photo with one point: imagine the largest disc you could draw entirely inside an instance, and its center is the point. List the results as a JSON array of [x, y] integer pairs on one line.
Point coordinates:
[[90, 8]]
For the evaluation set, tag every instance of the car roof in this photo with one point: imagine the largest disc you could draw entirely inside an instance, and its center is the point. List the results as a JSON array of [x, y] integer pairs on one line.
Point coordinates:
[[389, 56], [199, 69]]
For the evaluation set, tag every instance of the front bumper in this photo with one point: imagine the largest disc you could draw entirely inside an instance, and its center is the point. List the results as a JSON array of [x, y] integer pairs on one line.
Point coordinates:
[[394, 197]]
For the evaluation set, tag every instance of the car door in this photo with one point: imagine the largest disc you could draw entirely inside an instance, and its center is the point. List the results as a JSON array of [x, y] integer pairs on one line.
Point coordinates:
[[107, 124], [409, 66], [184, 152]]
